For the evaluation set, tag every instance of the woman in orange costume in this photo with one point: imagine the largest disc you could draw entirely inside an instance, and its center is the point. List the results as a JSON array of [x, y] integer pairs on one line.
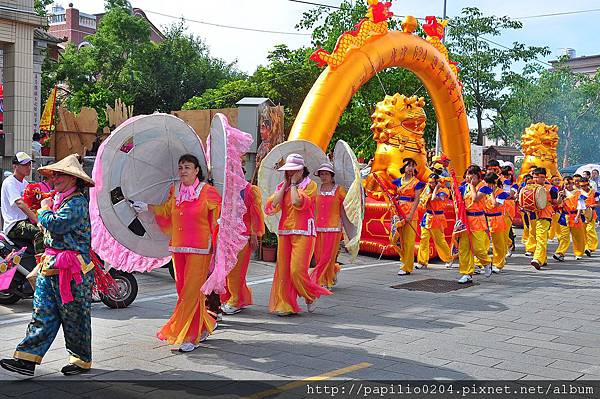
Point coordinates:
[[407, 194], [570, 221], [294, 198], [329, 208], [434, 199], [476, 241], [190, 217], [238, 295], [495, 213]]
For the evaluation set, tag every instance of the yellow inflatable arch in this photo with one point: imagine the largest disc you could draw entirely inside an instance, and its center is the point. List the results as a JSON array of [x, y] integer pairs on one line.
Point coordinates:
[[331, 93]]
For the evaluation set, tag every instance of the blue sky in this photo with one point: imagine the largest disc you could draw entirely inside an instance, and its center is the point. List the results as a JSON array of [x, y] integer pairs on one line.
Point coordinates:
[[250, 48]]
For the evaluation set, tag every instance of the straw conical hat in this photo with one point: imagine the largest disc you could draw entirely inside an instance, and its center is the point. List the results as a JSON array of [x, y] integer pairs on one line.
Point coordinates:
[[70, 166]]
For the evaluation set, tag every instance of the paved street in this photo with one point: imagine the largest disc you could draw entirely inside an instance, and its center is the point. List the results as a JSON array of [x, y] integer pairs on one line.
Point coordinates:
[[523, 324]]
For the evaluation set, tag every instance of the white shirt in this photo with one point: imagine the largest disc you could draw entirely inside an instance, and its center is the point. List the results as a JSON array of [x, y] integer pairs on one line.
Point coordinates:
[[12, 190], [36, 146]]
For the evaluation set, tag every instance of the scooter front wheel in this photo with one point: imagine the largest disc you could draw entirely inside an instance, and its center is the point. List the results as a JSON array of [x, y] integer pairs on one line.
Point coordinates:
[[123, 293], [6, 298]]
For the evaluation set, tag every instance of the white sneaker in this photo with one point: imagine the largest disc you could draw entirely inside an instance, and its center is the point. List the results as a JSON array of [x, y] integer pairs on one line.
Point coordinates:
[[451, 265], [528, 254], [465, 279], [229, 310], [578, 258], [488, 270], [311, 306], [496, 270], [188, 346], [509, 253], [403, 273], [420, 266], [477, 270]]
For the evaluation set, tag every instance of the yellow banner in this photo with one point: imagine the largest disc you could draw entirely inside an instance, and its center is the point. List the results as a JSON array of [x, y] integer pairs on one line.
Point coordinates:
[[46, 120]]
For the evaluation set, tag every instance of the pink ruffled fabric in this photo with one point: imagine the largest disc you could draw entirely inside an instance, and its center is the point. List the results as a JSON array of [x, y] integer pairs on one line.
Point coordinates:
[[231, 239], [103, 243], [187, 193]]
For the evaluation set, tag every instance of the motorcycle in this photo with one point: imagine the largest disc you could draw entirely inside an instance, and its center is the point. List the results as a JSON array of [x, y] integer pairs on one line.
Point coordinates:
[[119, 289]]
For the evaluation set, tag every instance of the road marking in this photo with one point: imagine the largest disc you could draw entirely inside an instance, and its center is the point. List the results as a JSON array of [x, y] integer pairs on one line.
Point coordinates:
[[320, 377]]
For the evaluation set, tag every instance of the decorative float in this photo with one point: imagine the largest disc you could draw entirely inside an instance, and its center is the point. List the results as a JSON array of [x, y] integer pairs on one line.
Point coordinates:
[[398, 121]]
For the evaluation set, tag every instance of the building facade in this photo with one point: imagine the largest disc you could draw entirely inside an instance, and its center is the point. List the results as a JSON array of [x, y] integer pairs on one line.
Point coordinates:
[[18, 21], [74, 26], [588, 65]]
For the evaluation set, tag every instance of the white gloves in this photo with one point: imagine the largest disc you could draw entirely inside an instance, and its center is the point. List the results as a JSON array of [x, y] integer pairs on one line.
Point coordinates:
[[139, 206]]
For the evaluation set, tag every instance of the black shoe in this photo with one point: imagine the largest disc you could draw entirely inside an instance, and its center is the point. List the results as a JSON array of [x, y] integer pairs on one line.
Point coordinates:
[[588, 253], [559, 258], [24, 367], [72, 369]]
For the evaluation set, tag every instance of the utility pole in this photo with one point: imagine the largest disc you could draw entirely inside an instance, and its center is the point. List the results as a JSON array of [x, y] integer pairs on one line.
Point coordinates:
[[438, 144]]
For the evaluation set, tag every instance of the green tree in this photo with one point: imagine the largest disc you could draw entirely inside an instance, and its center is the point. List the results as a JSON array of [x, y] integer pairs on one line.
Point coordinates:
[[485, 69], [561, 97], [122, 62], [286, 80], [40, 6], [123, 4]]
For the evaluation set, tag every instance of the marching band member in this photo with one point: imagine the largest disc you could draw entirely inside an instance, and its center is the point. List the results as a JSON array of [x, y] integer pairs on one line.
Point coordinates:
[[554, 229], [543, 220], [329, 208], [294, 198], [570, 221], [408, 191], [476, 242], [591, 202], [529, 223], [434, 199], [494, 212], [238, 295], [190, 217], [510, 208], [63, 289]]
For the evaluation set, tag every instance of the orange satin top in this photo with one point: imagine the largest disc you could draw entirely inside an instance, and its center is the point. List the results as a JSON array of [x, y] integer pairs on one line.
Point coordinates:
[[495, 214], [592, 199], [570, 203], [253, 218], [296, 220], [475, 209], [190, 224], [434, 217], [328, 209], [405, 194]]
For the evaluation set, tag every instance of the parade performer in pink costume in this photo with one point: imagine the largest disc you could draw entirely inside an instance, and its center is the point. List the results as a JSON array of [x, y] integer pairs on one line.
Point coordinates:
[[238, 295], [189, 217], [329, 208], [294, 198]]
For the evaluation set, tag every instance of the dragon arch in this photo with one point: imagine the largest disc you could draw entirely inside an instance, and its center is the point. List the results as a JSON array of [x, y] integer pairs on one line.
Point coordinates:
[[360, 54], [398, 121]]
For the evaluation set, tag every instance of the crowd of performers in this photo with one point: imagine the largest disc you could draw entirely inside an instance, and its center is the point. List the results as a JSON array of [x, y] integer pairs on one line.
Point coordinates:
[[310, 224], [486, 204]]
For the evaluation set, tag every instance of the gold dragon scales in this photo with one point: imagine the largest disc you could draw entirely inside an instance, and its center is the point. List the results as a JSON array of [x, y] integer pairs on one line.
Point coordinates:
[[539, 143], [398, 125], [374, 24]]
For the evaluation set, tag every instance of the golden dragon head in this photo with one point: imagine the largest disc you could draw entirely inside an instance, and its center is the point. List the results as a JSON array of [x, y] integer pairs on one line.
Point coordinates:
[[540, 139], [398, 114], [539, 145]]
